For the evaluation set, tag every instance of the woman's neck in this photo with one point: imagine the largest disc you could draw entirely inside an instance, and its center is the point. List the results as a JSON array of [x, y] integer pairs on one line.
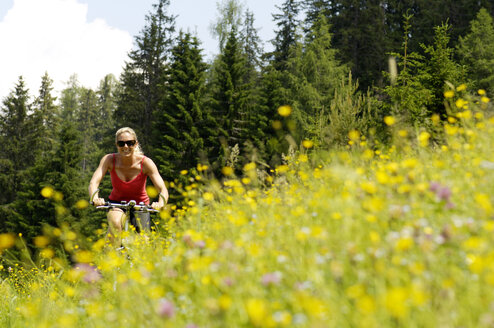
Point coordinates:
[[127, 160]]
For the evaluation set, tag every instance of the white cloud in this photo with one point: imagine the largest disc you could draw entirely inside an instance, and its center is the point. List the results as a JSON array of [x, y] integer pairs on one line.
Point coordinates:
[[54, 36]]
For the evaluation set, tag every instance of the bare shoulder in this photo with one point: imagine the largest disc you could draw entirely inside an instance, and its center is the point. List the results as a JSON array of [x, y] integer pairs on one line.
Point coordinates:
[[107, 161], [148, 165]]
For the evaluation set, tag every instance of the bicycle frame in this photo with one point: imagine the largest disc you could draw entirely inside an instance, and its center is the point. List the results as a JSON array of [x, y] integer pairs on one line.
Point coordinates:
[[132, 208]]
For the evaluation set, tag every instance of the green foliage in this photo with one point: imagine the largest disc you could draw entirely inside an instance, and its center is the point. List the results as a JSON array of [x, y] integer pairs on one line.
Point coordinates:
[[359, 34], [144, 75], [348, 110], [272, 95], [476, 51], [61, 172], [314, 75], [246, 106], [230, 17], [397, 237], [286, 37], [440, 68], [252, 47], [15, 137], [70, 98], [365, 31], [313, 10], [185, 126], [416, 93], [46, 118], [230, 94]]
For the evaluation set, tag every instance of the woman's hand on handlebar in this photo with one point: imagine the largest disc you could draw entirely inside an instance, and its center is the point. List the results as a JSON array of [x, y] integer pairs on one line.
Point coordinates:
[[156, 205], [98, 201]]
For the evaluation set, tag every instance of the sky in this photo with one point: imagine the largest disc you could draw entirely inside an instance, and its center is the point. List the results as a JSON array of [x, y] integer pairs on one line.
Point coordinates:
[[91, 38]]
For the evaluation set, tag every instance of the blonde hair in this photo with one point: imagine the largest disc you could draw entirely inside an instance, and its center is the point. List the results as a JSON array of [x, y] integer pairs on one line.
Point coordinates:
[[137, 149]]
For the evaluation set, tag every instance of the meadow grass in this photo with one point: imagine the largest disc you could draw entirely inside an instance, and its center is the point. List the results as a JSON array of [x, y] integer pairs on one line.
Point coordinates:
[[365, 236]]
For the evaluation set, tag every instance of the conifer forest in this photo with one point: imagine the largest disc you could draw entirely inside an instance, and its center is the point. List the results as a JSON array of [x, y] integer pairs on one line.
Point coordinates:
[[329, 65], [339, 177]]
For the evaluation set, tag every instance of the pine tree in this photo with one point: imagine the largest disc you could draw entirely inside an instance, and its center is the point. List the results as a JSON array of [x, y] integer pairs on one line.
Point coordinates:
[[409, 98], [15, 136], [229, 97], [45, 119], [61, 172], [457, 13], [272, 96], [184, 125], [107, 103], [252, 46], [27, 215], [88, 118], [144, 76], [315, 74], [287, 23], [66, 175], [313, 10], [440, 67], [255, 148], [359, 34], [476, 51], [69, 100]]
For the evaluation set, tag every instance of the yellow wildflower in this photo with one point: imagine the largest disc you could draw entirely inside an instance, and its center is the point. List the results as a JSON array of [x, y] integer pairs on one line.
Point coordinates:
[[47, 192], [395, 301], [41, 241], [354, 135], [307, 144], [461, 103], [389, 120], [6, 240], [449, 94], [424, 138], [256, 310], [285, 110], [227, 171]]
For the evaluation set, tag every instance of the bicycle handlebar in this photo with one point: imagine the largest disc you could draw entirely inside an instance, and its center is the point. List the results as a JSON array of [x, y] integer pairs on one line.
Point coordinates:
[[128, 205]]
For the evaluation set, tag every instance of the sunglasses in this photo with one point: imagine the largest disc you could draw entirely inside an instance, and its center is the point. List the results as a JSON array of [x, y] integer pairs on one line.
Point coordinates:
[[130, 143]]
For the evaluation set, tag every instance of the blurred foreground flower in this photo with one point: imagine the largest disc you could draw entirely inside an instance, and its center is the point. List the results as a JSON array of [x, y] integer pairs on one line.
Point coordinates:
[[6, 240], [90, 273], [256, 310], [449, 94], [308, 144], [82, 204], [285, 110], [272, 278], [443, 193], [151, 191], [389, 120], [166, 308], [47, 192], [424, 138]]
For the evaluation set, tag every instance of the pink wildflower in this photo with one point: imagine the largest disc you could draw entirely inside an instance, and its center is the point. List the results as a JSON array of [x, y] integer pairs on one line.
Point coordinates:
[[166, 308], [272, 278]]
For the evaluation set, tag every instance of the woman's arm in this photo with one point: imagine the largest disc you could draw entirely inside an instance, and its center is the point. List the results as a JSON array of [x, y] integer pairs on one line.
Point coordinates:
[[96, 180], [151, 171]]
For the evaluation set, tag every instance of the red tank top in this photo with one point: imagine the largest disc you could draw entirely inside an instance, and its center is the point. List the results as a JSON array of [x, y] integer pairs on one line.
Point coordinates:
[[134, 189]]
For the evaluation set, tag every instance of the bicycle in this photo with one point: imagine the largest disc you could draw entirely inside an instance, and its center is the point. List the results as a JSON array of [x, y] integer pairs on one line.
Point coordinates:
[[141, 221], [138, 215]]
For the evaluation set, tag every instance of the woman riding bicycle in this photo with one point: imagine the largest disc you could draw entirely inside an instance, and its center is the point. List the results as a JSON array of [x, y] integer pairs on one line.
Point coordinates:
[[129, 169]]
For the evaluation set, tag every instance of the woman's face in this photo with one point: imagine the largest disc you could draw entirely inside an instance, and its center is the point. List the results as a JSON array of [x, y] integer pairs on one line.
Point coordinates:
[[126, 144]]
